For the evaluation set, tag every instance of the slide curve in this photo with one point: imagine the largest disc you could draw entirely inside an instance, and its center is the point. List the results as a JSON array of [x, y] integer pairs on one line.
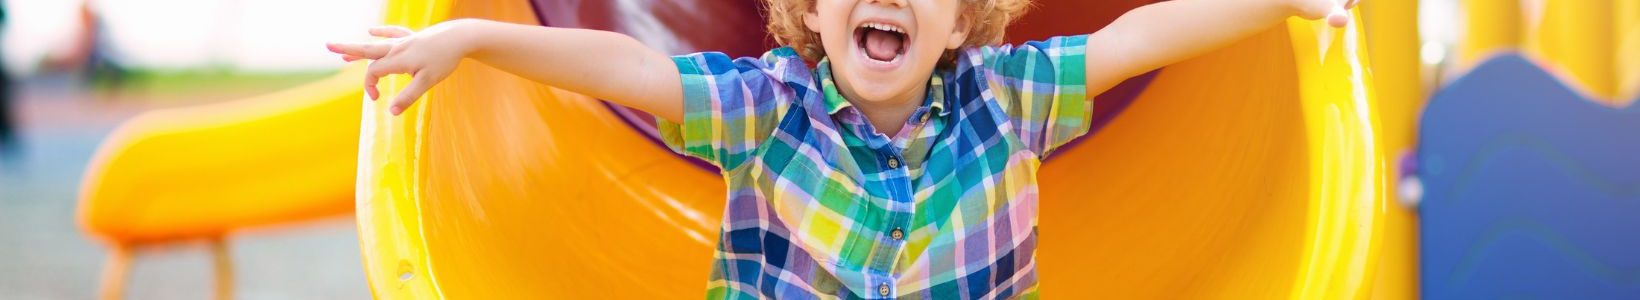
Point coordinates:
[[1250, 172]]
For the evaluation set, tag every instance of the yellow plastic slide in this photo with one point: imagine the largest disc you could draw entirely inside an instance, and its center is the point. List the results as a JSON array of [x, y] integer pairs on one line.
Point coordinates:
[[1490, 26], [1582, 39], [1402, 87], [201, 171], [1252, 172]]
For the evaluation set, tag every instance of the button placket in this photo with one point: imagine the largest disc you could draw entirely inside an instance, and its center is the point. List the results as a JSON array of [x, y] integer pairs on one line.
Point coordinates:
[[893, 236]]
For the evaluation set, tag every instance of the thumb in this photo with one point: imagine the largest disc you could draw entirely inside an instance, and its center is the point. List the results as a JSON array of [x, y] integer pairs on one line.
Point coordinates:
[[1339, 17], [418, 86]]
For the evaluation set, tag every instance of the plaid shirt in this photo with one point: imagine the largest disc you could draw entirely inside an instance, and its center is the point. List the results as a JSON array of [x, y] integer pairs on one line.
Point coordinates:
[[822, 206]]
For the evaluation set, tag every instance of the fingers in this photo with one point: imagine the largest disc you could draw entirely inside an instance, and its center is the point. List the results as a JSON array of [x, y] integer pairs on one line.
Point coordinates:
[[1335, 13], [373, 50], [370, 50], [1338, 20], [418, 86], [373, 75], [390, 31], [420, 82], [1316, 9], [370, 80], [1340, 15]]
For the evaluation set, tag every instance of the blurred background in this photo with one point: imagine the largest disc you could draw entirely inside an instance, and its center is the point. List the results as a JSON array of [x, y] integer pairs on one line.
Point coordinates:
[[76, 69]]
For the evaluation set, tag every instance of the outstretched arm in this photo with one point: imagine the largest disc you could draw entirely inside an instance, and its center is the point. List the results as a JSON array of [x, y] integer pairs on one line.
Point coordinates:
[[601, 64], [1156, 35]]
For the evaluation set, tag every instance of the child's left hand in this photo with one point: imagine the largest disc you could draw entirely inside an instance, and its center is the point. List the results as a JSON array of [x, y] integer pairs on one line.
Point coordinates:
[[1337, 15]]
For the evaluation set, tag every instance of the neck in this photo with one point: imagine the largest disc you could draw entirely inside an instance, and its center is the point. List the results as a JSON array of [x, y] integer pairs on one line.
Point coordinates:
[[889, 116]]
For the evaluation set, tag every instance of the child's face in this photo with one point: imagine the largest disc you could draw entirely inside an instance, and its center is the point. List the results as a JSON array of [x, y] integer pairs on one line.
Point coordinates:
[[885, 66]]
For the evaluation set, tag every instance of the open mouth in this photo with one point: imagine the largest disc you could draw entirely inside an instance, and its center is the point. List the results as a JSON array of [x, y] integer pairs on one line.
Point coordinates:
[[880, 42]]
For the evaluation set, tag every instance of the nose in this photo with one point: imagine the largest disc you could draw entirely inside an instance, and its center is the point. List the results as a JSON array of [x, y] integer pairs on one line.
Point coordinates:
[[894, 3]]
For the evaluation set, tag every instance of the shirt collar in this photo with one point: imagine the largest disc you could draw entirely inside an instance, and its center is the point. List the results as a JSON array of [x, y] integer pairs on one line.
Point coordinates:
[[934, 99]]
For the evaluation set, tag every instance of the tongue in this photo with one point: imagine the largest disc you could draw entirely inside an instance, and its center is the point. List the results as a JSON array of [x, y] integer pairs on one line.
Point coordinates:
[[883, 45]]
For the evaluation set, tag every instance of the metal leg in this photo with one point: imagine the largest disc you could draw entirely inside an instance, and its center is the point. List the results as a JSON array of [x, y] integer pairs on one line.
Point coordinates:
[[224, 268], [114, 273]]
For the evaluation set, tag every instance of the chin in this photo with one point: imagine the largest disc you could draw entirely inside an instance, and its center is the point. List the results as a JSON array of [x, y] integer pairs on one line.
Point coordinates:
[[878, 84], [878, 91]]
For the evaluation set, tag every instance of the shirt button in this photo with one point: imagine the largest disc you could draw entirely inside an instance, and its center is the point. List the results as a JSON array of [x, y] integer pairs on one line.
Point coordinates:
[[893, 163], [897, 234], [883, 290]]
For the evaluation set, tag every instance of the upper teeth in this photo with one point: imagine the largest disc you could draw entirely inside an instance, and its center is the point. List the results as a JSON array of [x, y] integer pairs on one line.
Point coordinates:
[[884, 27]]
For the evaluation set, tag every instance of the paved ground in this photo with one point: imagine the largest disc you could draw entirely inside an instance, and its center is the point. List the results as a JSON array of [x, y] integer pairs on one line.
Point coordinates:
[[44, 256]]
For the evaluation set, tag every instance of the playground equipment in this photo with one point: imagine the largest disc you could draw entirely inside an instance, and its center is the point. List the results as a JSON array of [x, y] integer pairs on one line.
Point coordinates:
[[1489, 27], [1402, 88], [1528, 167], [198, 173], [542, 192], [1526, 198], [1253, 171]]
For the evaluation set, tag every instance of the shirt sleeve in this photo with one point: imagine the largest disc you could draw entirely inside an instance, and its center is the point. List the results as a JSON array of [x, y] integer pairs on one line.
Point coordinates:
[[1042, 87], [730, 106]]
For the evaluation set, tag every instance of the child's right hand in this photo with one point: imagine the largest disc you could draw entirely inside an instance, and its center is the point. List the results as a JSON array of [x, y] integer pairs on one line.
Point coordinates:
[[428, 56]]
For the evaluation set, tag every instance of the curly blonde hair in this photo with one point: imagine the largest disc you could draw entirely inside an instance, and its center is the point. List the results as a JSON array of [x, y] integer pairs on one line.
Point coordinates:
[[987, 21]]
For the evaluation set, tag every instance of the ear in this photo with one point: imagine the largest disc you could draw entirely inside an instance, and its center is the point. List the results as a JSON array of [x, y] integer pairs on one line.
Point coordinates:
[[959, 34], [811, 20]]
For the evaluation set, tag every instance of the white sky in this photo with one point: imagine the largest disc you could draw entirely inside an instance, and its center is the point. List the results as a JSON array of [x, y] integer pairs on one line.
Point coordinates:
[[288, 35], [254, 35]]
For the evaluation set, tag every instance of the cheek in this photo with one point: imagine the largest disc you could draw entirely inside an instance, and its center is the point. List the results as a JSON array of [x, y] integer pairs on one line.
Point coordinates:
[[929, 51], [837, 44], [939, 25], [834, 34], [930, 45]]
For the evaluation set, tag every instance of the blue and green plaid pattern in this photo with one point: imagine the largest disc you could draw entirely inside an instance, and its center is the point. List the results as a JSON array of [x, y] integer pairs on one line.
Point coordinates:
[[822, 206]]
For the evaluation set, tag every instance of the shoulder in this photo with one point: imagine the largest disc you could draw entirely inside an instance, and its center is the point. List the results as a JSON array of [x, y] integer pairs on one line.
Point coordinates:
[[779, 67], [967, 82], [787, 66], [783, 57]]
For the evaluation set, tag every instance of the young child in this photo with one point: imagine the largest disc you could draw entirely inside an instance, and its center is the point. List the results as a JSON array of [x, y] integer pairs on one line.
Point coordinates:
[[889, 150]]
